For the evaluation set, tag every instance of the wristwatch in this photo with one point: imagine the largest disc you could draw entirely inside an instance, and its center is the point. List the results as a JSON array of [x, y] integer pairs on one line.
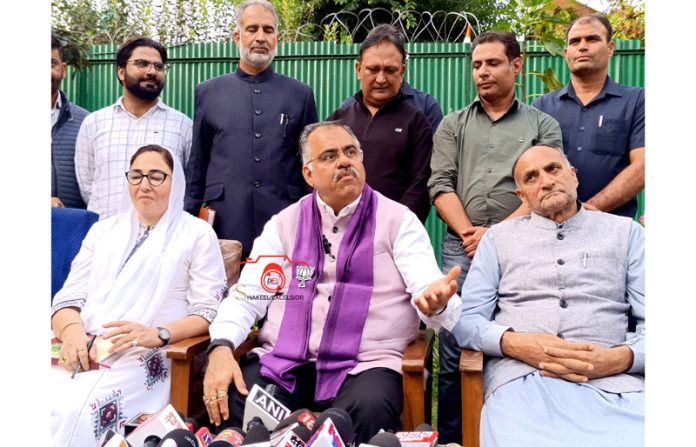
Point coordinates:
[[164, 335]]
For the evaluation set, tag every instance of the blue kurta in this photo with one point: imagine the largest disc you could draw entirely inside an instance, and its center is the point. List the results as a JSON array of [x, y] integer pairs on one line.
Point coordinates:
[[244, 160]]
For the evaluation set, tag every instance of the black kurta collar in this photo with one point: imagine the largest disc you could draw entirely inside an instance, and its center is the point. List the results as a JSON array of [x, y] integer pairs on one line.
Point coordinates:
[[252, 79]]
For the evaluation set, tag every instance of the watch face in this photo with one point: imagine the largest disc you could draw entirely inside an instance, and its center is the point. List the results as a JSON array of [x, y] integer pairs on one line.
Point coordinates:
[[164, 335]]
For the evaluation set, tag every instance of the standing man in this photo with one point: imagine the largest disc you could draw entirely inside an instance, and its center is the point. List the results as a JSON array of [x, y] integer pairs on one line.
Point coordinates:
[[603, 122], [66, 118], [244, 161], [472, 185], [396, 137], [108, 137]]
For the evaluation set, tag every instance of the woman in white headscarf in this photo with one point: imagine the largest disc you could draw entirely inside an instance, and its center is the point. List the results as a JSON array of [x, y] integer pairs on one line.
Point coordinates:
[[150, 276]]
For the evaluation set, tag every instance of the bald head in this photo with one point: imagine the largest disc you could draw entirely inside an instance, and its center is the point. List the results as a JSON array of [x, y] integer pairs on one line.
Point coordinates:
[[546, 182]]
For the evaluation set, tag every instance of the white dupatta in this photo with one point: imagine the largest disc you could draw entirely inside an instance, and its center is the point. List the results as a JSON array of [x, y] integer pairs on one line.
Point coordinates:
[[137, 292]]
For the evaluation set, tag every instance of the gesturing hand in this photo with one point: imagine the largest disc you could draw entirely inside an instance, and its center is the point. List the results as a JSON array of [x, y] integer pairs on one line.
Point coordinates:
[[436, 296], [129, 334], [221, 371]]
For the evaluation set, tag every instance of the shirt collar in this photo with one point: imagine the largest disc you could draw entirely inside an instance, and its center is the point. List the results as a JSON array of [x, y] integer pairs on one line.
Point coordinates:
[[610, 88], [407, 90], [59, 102], [158, 105], [261, 77], [514, 107], [346, 211], [574, 221]]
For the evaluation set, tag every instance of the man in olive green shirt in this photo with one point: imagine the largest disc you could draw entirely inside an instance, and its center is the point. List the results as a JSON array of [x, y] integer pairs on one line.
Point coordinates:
[[471, 184]]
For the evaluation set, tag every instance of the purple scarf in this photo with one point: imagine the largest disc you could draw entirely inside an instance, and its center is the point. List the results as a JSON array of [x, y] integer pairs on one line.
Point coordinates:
[[350, 300]]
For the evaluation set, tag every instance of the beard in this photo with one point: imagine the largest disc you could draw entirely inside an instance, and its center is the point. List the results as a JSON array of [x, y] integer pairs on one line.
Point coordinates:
[[132, 84], [256, 60], [55, 84]]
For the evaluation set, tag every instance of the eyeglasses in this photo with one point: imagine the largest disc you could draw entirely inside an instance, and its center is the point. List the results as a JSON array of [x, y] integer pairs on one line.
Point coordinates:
[[155, 177], [144, 65], [331, 155]]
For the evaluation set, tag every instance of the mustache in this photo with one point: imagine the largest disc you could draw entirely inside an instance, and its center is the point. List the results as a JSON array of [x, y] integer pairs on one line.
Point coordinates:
[[263, 46], [339, 173]]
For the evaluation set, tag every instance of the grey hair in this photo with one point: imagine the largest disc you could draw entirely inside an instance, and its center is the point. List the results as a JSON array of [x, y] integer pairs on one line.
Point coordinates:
[[307, 131], [514, 166], [249, 3]]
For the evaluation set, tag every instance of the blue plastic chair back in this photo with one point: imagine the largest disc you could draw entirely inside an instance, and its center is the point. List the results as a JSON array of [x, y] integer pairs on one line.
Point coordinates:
[[69, 226]]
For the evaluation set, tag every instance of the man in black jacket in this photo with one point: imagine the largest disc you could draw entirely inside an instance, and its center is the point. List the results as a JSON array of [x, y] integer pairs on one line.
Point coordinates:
[[396, 138]]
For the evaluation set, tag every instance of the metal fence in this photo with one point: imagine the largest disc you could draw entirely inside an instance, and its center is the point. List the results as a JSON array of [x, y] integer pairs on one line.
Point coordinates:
[[441, 69]]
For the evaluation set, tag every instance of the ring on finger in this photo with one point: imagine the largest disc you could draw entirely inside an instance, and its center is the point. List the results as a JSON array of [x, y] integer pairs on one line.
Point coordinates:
[[135, 342], [207, 399], [222, 393]]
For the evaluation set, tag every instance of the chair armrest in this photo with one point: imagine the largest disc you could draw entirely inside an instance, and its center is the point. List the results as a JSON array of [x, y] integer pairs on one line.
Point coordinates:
[[418, 352], [416, 359], [471, 370], [471, 361], [188, 348]]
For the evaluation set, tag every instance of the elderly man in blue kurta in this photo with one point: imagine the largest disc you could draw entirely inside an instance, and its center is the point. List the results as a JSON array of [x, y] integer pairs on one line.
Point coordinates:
[[244, 160], [548, 300]]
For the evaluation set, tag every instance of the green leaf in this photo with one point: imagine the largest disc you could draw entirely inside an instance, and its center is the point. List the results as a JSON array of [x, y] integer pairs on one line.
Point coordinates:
[[553, 45]]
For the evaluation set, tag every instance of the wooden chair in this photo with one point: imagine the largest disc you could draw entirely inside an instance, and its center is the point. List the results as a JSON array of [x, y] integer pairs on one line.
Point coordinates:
[[188, 358], [471, 370]]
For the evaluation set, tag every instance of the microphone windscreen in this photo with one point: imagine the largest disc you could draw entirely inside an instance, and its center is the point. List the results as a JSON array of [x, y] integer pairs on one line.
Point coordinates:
[[424, 427], [152, 441], [194, 424], [385, 439], [303, 433], [256, 434], [302, 416], [233, 436], [179, 437], [254, 421], [341, 420]]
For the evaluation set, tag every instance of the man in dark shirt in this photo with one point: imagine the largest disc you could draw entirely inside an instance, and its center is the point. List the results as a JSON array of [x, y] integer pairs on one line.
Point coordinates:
[[603, 123], [396, 138], [244, 160]]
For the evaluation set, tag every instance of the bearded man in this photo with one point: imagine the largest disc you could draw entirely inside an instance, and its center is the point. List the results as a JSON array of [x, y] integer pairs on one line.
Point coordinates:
[[109, 136], [244, 158]]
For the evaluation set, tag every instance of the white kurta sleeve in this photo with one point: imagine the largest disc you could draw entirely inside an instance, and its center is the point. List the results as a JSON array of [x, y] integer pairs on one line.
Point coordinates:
[[415, 259], [206, 275], [240, 310]]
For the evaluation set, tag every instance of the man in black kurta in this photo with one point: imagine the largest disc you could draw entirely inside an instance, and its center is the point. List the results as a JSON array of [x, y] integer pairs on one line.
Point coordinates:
[[395, 137], [244, 160]]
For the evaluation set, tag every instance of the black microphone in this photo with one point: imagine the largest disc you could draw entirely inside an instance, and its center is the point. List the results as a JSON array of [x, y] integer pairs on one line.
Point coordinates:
[[303, 433], [424, 427], [179, 437], [257, 434], [341, 420], [152, 441], [254, 422], [327, 246], [385, 439]]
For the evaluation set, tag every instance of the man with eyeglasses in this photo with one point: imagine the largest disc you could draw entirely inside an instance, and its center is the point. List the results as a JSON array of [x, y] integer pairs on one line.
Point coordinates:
[[244, 159], [108, 137], [66, 119], [396, 137], [337, 328]]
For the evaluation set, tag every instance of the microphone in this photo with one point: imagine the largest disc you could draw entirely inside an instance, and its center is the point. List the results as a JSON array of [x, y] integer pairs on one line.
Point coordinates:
[[191, 424], [204, 436], [233, 436], [338, 420], [257, 436], [302, 416], [327, 247], [113, 439], [385, 439], [423, 436], [179, 437], [152, 441], [263, 405], [159, 424]]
